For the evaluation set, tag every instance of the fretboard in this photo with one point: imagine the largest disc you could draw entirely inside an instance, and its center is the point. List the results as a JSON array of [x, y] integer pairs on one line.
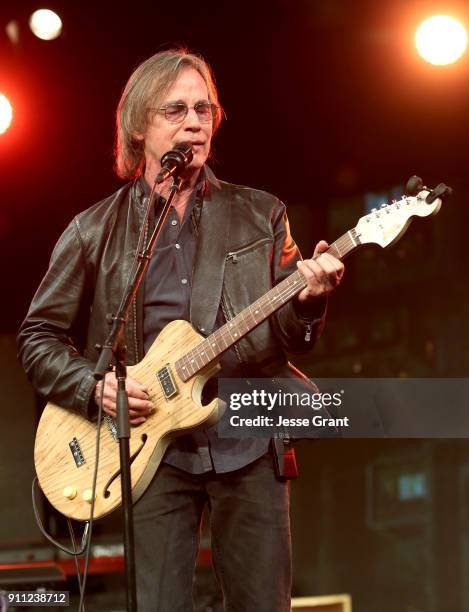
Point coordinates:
[[216, 344]]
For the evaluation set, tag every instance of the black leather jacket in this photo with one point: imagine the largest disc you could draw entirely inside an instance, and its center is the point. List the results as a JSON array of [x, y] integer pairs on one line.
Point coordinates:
[[244, 247]]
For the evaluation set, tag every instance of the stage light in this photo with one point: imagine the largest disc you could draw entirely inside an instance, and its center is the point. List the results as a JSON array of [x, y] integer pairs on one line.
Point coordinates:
[[45, 24], [6, 113], [441, 40], [13, 31]]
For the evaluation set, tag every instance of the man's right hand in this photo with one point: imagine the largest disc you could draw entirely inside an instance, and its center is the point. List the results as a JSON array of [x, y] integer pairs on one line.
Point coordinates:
[[140, 406]]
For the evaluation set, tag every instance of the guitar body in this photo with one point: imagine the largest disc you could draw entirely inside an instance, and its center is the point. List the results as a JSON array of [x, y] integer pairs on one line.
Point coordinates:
[[64, 451]]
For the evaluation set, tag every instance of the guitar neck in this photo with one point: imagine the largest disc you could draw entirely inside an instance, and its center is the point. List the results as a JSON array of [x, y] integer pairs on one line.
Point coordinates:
[[223, 338]]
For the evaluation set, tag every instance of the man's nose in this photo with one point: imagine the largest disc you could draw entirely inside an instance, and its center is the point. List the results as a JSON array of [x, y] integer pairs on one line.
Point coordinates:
[[192, 120]]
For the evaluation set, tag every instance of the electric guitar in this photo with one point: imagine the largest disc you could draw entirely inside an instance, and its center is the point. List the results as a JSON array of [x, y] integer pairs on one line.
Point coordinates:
[[175, 370]]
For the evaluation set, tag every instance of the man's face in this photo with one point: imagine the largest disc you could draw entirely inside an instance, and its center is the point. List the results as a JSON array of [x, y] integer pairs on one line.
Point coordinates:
[[161, 135]]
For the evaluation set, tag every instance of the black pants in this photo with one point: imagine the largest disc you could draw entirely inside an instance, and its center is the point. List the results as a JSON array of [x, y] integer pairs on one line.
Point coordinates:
[[250, 538]]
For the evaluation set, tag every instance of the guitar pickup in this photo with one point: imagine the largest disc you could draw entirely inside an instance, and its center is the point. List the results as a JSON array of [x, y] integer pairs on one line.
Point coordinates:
[[76, 452], [111, 425], [166, 380]]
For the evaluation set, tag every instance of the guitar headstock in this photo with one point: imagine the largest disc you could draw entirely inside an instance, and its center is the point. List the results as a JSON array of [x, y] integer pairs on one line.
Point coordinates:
[[385, 225]]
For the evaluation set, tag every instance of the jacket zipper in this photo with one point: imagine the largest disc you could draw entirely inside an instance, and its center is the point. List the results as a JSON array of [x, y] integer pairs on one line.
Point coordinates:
[[233, 255], [134, 303], [134, 309]]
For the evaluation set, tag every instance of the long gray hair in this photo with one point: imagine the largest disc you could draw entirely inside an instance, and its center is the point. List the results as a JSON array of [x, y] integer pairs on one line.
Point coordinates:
[[147, 87]]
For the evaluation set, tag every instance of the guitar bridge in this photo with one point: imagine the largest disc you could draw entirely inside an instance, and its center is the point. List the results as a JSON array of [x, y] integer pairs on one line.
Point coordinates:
[[166, 380]]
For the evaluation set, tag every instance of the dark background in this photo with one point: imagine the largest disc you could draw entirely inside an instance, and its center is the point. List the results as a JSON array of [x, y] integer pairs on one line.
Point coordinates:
[[329, 107]]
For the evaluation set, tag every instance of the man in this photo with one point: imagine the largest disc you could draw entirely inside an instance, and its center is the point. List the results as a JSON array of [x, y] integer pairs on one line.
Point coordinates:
[[222, 247]]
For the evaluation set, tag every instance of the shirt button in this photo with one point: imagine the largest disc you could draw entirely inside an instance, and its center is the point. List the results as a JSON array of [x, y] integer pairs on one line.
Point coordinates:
[[184, 281], [177, 245], [174, 222]]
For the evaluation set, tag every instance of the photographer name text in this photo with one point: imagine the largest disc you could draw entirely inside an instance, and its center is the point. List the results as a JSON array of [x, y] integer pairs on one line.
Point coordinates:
[[281, 421]]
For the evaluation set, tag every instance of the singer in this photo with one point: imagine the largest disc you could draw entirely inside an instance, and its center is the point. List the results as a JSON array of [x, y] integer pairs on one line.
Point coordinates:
[[222, 247]]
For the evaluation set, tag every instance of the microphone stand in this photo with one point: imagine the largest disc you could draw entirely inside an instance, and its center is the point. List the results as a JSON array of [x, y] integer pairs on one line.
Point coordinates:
[[115, 347]]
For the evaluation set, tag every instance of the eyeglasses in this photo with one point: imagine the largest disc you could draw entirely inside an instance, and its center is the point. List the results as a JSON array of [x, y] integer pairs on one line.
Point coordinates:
[[176, 112]]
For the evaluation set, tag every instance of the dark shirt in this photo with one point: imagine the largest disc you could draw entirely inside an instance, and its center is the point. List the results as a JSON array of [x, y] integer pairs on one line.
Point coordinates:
[[167, 287], [169, 276]]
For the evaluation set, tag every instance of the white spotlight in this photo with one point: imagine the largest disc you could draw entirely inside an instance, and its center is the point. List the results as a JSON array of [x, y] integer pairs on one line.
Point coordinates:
[[441, 40], [45, 24]]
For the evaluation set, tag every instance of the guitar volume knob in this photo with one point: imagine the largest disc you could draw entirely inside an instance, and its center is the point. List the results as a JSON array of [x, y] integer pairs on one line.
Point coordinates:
[[87, 495], [70, 492]]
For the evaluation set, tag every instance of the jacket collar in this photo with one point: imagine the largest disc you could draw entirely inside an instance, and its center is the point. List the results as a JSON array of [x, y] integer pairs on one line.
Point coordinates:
[[207, 178]]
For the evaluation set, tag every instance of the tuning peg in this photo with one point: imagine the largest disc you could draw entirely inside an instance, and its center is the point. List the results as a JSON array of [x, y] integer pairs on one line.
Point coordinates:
[[441, 191], [414, 185]]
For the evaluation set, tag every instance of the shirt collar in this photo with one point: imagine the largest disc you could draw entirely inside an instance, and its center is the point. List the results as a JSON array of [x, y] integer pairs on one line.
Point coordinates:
[[206, 175]]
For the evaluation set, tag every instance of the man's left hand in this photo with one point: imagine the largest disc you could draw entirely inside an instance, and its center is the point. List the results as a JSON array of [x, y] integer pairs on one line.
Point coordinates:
[[323, 274]]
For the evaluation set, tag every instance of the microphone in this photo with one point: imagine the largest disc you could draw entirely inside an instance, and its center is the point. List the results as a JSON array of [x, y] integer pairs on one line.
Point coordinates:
[[175, 161]]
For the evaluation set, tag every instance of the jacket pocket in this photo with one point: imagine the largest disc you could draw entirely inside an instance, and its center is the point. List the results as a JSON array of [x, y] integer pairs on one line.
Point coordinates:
[[247, 274], [246, 250]]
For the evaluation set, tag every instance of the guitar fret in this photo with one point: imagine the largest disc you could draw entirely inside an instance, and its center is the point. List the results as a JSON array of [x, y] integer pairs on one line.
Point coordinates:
[[222, 337], [332, 249], [351, 238]]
